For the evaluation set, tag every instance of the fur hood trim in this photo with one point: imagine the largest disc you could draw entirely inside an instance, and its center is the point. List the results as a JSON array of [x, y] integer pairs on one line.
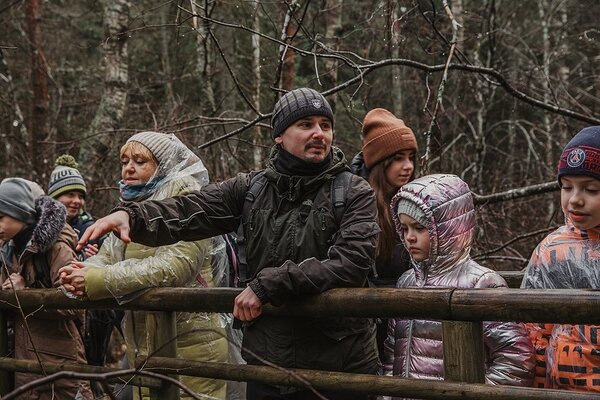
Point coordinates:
[[51, 218]]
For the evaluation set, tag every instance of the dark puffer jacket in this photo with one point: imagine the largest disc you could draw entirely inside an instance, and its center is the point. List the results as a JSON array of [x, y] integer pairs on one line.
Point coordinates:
[[54, 333], [294, 247]]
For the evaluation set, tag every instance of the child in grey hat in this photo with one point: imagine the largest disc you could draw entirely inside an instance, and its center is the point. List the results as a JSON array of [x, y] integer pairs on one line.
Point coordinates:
[[36, 242], [435, 218]]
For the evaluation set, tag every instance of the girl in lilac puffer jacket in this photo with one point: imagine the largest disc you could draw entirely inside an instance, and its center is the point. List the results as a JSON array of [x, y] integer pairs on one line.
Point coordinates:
[[435, 218]]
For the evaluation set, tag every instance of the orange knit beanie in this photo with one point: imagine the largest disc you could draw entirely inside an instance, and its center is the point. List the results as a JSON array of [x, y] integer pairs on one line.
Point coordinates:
[[385, 135]]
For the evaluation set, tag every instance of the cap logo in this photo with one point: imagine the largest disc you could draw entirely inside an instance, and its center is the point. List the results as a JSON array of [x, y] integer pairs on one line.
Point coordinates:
[[317, 103], [575, 158]]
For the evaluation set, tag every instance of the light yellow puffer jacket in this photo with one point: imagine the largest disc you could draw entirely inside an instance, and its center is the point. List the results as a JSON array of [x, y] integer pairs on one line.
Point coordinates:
[[122, 271]]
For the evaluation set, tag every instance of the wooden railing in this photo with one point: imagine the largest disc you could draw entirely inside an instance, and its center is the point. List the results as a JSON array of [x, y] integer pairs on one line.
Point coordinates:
[[461, 311]]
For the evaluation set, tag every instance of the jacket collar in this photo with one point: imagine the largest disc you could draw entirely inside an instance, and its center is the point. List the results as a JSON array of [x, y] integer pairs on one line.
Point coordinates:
[[292, 187]]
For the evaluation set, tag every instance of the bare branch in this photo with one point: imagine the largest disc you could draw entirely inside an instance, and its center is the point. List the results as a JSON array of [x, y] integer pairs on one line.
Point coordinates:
[[516, 193]]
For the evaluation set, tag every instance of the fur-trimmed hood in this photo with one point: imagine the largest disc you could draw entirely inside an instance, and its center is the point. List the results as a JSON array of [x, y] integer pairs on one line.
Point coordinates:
[[51, 219]]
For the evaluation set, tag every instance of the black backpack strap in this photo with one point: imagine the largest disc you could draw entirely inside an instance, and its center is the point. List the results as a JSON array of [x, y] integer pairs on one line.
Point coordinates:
[[258, 184], [339, 191]]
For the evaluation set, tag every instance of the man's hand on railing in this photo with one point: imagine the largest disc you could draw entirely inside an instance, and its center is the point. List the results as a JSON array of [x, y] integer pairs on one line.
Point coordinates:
[[117, 222], [247, 305]]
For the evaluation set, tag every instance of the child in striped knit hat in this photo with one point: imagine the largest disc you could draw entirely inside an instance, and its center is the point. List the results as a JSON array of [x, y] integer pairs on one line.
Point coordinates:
[[68, 187]]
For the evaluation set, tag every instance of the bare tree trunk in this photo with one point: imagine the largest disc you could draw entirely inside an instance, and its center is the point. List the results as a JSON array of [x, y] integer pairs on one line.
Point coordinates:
[[99, 148], [287, 56], [204, 56], [41, 143], [394, 46], [565, 70], [257, 139], [13, 154], [165, 57], [542, 7], [333, 24]]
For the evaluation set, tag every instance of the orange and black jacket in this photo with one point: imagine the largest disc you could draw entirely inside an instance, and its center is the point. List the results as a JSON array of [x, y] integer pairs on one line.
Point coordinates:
[[567, 356]]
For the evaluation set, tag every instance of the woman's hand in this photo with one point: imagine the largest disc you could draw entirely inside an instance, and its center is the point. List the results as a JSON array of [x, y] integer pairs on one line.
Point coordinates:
[[15, 281], [72, 278], [117, 222]]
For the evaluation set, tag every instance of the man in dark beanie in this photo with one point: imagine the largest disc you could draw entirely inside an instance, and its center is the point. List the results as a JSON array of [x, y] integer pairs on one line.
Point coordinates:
[[307, 225]]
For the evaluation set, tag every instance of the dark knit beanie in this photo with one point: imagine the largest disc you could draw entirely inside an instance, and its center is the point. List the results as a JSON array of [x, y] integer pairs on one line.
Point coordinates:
[[65, 177], [385, 135], [410, 208], [297, 104], [581, 156], [16, 200]]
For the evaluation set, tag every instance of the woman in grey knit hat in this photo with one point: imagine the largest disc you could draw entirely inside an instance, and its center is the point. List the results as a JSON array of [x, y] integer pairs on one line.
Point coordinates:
[[156, 166]]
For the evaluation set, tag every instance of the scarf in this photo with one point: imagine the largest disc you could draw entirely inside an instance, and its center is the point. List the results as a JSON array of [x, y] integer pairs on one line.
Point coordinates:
[[288, 164], [139, 191]]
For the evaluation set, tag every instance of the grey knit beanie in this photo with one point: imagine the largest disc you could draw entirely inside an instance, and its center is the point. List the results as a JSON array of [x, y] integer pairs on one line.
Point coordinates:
[[162, 145], [16, 200], [297, 104], [410, 208]]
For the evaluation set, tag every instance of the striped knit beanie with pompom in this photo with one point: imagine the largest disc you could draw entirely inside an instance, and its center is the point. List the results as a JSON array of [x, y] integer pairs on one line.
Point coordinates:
[[65, 177]]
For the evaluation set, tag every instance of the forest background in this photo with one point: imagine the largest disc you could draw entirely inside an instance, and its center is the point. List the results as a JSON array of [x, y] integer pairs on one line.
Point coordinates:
[[493, 89]]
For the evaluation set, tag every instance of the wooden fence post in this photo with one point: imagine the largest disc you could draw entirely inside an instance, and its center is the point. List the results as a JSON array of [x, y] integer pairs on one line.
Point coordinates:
[[6, 377], [165, 345], [463, 351]]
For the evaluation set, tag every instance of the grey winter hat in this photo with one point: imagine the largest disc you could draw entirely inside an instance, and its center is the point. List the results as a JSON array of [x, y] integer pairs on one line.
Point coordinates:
[[161, 145], [16, 200], [297, 104], [410, 208]]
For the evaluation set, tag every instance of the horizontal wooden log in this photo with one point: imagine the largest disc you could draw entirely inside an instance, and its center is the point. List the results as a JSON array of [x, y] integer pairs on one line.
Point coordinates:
[[512, 278], [548, 305], [31, 366], [357, 383]]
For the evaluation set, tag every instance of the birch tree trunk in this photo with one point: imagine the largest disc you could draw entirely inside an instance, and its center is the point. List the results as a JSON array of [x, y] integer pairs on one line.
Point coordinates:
[[333, 24], [204, 56], [165, 57], [286, 76], [41, 144], [98, 149], [394, 49], [544, 21], [257, 138], [14, 150]]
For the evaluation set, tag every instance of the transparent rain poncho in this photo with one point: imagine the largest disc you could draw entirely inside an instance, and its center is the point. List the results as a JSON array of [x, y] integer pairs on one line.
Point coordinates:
[[568, 258], [124, 271], [130, 268]]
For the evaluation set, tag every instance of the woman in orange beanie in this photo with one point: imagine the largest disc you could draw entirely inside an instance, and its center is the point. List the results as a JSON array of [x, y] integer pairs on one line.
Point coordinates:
[[387, 161]]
